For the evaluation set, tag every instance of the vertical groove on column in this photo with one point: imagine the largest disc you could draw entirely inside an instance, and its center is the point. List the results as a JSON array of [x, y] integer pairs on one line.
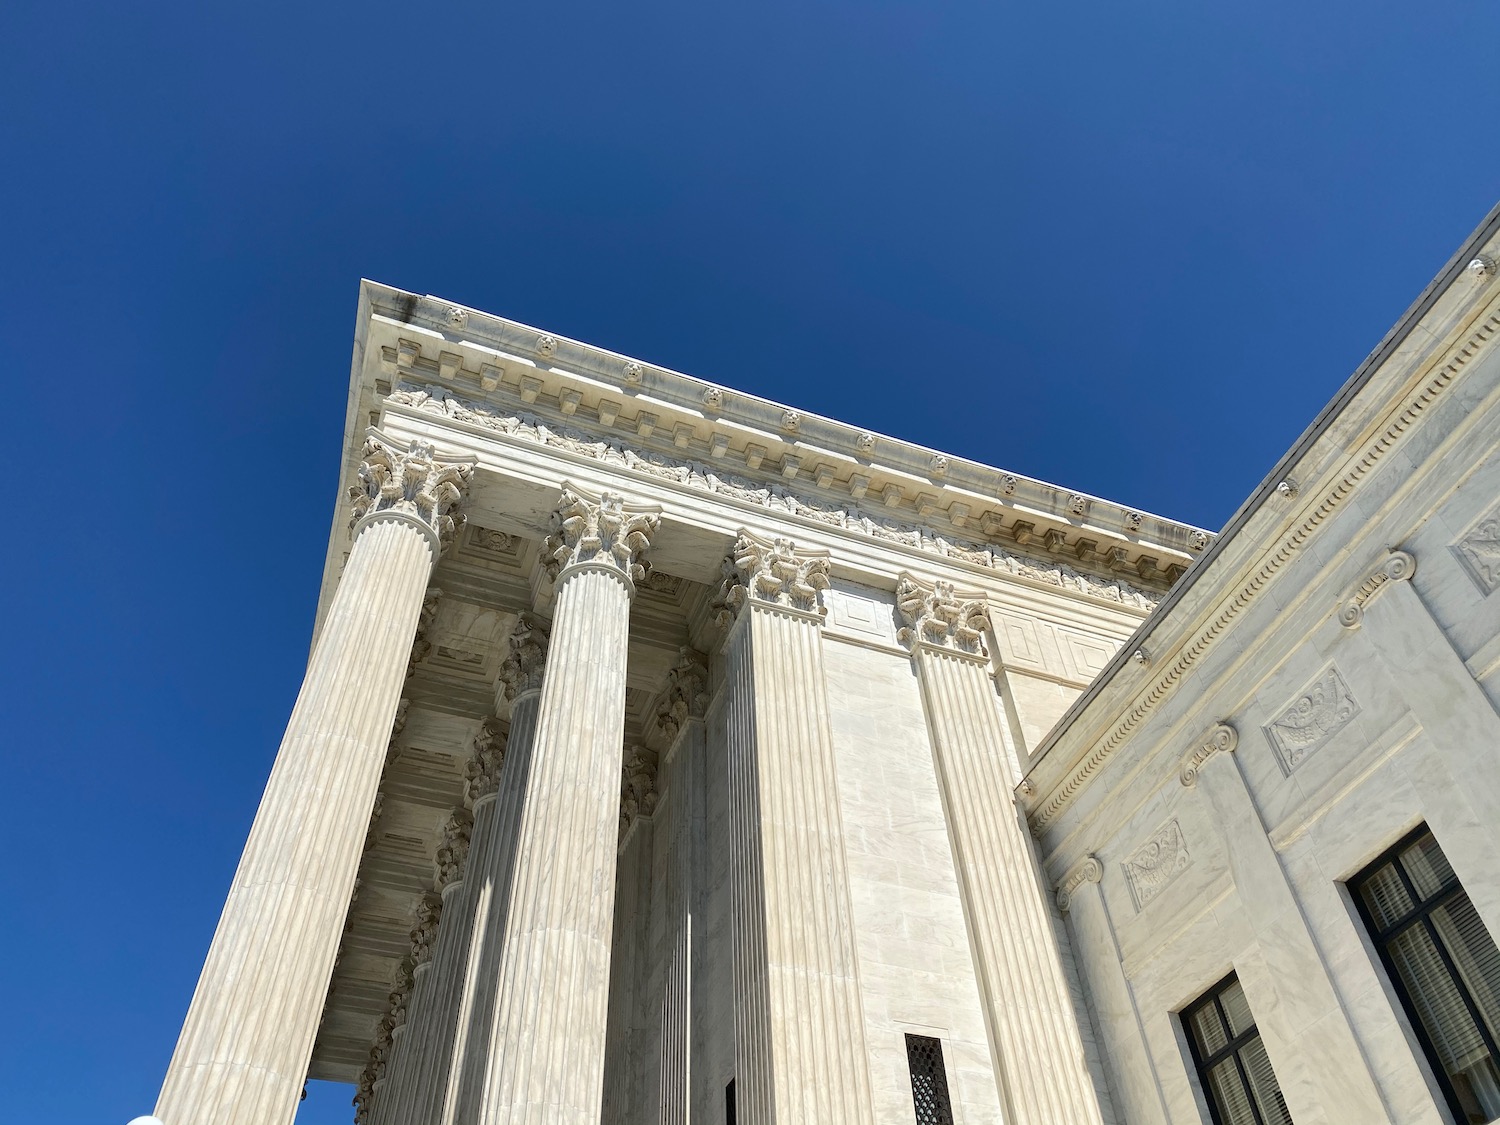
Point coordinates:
[[1030, 1009], [675, 832], [800, 1042], [243, 1053], [544, 1051]]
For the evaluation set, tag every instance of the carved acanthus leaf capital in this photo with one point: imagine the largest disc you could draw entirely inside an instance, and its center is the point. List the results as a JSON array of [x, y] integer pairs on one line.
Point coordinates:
[[771, 572], [1220, 739], [424, 933], [410, 482], [939, 615], [686, 696], [522, 669], [482, 775], [600, 531], [1397, 566], [638, 794], [453, 850], [421, 642], [1086, 870]]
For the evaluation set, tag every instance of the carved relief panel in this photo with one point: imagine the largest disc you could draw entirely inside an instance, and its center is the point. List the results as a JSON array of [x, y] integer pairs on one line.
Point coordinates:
[[1309, 721]]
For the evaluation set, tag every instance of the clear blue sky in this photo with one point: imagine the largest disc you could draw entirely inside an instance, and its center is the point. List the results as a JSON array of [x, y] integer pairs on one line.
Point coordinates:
[[1130, 248]]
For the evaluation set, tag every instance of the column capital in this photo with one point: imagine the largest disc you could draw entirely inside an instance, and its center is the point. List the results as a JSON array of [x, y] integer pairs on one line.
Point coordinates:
[[942, 617], [453, 851], [686, 696], [522, 669], [1086, 870], [1220, 739], [1397, 566], [429, 912], [638, 795], [600, 532], [773, 573], [409, 484], [482, 775]]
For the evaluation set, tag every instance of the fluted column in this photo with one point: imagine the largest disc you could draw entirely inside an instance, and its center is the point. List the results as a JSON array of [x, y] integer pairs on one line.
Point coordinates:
[[800, 1053], [244, 1048], [545, 1057], [680, 717], [1033, 1027], [455, 1068]]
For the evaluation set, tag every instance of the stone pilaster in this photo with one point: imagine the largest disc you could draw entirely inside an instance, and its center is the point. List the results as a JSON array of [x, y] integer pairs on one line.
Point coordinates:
[[456, 1063], [800, 1054], [546, 1042], [1034, 1031], [1337, 1085], [243, 1052]]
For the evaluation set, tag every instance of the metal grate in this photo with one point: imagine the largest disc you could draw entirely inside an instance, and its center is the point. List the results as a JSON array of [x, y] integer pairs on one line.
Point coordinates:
[[929, 1080]]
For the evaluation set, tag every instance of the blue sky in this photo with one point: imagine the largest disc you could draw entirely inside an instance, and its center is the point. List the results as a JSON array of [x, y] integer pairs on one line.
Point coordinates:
[[1130, 249]]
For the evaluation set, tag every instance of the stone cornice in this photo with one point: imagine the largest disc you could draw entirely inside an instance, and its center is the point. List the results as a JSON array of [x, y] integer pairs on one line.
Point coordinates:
[[509, 425], [1328, 477]]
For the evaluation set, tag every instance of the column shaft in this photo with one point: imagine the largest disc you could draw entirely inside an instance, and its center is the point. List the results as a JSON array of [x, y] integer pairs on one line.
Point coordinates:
[[676, 833], [1033, 1025], [546, 1044], [800, 1052], [245, 1045]]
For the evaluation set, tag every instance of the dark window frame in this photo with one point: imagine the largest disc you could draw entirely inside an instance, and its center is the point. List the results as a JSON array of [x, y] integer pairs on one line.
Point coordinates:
[[1234, 1044], [1421, 914]]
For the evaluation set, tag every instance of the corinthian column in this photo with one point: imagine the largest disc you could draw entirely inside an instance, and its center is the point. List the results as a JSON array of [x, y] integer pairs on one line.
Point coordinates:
[[454, 1074], [243, 1053], [546, 1043], [1033, 1028], [800, 1055]]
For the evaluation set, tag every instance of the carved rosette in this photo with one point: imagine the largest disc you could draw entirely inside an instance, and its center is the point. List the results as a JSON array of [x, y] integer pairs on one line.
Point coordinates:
[[411, 483], [1397, 566], [1087, 870], [771, 572], [1220, 739], [686, 696], [638, 794], [599, 533], [453, 851], [482, 775], [941, 616], [523, 666]]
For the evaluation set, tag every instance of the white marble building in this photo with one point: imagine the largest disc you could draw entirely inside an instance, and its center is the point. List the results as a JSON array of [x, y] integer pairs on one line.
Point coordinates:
[[669, 755]]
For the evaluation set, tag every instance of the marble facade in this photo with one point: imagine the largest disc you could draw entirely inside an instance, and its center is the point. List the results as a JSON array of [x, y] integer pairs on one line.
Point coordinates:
[[665, 750]]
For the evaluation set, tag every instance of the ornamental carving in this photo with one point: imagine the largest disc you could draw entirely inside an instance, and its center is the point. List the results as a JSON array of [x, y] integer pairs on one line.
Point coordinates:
[[638, 794], [522, 669], [599, 532], [772, 572], [1319, 712], [941, 616], [1089, 870], [453, 850], [686, 696], [1152, 866], [1479, 552], [1397, 566], [482, 775], [1221, 739], [424, 933], [421, 643], [775, 497], [412, 482]]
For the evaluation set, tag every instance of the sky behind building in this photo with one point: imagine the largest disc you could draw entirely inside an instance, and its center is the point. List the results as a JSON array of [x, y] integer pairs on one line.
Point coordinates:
[[1131, 249]]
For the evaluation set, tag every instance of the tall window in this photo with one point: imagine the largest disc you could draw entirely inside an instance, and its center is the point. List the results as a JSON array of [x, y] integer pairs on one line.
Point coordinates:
[[1232, 1065], [1443, 963], [929, 1080]]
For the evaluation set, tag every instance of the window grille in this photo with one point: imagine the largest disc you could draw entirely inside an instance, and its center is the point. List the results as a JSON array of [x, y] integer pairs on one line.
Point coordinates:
[[1233, 1067], [929, 1080], [1443, 964]]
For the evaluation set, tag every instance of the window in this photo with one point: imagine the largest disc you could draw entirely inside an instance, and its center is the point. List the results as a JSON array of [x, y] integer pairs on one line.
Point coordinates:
[[1232, 1065], [929, 1081], [1444, 965]]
